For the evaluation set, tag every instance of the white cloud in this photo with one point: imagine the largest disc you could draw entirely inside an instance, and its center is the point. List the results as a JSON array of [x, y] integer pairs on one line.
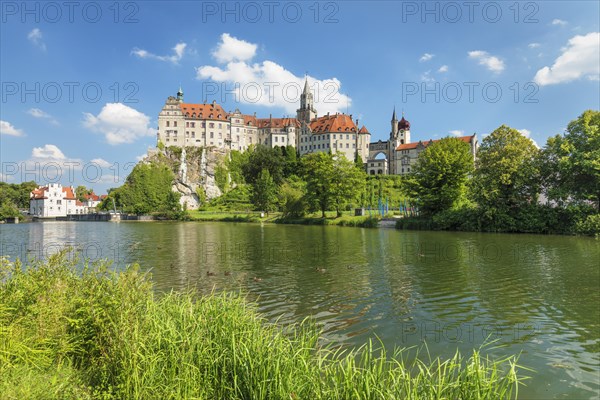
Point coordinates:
[[456, 132], [35, 37], [101, 163], [527, 134], [560, 22], [484, 58], [426, 57], [37, 113], [6, 128], [269, 84], [443, 68], [119, 123], [533, 45], [141, 157], [581, 58], [178, 51], [426, 77], [48, 151], [234, 49]]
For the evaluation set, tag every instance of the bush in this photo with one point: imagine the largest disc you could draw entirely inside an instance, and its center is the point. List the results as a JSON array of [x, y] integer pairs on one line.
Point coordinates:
[[589, 226]]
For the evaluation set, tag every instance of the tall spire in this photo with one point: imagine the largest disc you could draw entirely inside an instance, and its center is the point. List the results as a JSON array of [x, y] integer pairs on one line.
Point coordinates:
[[394, 115], [306, 89]]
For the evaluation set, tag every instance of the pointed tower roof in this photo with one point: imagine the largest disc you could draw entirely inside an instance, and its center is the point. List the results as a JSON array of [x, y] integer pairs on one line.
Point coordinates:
[[306, 89], [394, 115], [363, 130]]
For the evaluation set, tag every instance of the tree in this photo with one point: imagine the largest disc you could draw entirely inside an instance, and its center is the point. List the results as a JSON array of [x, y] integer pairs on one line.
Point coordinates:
[[146, 189], [264, 157], [292, 197], [81, 192], [570, 164], [263, 196], [506, 174], [358, 161], [438, 181], [331, 181]]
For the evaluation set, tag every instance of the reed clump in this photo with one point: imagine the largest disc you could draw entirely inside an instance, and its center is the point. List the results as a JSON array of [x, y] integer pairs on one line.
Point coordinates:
[[100, 334]]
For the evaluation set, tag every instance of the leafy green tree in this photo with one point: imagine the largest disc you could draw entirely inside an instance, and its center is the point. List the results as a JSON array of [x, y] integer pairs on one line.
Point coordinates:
[[331, 182], [16, 194], [290, 166], [570, 163], [81, 191], [263, 196], [147, 189], [292, 197], [439, 179], [264, 157], [506, 175], [347, 183], [358, 161]]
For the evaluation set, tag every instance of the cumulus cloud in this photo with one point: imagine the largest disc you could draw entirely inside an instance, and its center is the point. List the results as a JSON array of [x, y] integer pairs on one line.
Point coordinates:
[[456, 132], [426, 57], [443, 68], [6, 128], [101, 162], [234, 49], [52, 160], [35, 37], [177, 55], [269, 84], [48, 151], [527, 134], [37, 113], [560, 22], [119, 123], [581, 58], [484, 58]]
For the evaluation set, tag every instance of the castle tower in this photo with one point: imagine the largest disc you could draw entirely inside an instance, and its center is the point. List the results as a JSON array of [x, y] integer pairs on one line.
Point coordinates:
[[307, 111], [403, 131], [394, 122], [180, 95]]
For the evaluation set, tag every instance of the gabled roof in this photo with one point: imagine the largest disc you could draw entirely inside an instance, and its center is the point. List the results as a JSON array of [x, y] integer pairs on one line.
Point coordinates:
[[204, 111], [336, 123], [249, 120], [277, 122], [92, 196], [39, 193], [68, 193], [414, 145], [364, 130]]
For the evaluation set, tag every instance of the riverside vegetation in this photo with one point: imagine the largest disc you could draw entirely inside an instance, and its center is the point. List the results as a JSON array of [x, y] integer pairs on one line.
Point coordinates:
[[102, 334]]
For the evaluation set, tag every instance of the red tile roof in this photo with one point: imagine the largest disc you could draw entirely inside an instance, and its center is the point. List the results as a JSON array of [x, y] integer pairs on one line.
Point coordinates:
[[277, 122], [92, 196], [39, 193], [69, 195], [203, 111], [249, 120], [363, 130], [336, 123], [413, 145]]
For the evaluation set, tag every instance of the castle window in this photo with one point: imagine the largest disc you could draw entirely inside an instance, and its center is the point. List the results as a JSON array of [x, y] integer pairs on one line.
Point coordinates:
[[174, 123], [187, 124], [168, 124], [193, 124]]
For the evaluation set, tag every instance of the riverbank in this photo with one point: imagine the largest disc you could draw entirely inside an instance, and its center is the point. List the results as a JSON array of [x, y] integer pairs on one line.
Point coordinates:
[[347, 219], [103, 334]]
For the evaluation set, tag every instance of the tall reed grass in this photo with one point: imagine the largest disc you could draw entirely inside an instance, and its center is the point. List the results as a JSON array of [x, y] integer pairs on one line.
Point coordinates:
[[100, 334]]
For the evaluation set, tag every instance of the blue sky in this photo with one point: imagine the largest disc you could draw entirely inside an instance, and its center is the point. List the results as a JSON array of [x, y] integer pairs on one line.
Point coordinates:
[[82, 86]]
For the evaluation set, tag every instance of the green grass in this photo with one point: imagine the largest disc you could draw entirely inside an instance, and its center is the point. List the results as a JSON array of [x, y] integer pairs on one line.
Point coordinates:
[[106, 335]]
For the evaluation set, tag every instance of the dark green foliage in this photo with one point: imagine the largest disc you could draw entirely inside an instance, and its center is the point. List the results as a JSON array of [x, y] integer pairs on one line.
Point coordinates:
[[81, 191], [14, 197], [438, 181], [147, 189], [263, 157], [292, 198], [237, 199], [263, 192], [222, 178]]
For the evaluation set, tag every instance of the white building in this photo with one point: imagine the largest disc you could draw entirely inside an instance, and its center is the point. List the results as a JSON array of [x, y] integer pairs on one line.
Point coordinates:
[[208, 125], [53, 200]]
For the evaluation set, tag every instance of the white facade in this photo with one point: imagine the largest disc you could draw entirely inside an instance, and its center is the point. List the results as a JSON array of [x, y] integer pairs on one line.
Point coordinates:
[[53, 200]]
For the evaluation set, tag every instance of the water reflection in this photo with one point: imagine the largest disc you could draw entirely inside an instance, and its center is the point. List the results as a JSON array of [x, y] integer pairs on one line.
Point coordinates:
[[537, 295]]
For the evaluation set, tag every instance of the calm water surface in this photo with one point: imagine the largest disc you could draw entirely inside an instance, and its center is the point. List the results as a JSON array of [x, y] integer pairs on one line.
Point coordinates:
[[537, 295]]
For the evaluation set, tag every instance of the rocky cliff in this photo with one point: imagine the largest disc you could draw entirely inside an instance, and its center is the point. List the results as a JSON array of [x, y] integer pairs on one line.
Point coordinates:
[[195, 169]]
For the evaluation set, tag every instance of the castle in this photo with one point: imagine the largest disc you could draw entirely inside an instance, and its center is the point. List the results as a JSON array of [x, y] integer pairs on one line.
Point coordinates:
[[208, 125]]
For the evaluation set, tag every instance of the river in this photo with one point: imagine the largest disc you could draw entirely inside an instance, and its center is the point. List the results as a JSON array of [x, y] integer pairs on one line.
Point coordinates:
[[535, 295]]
